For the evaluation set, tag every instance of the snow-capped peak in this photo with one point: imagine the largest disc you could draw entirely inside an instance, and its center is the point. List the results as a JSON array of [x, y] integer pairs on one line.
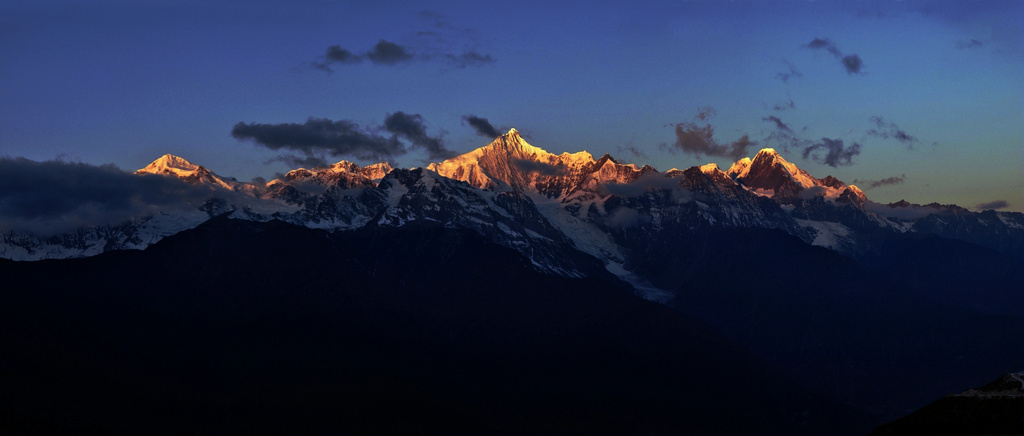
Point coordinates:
[[170, 164], [858, 192], [345, 166], [709, 168], [498, 163], [769, 170], [509, 162], [376, 171], [739, 169]]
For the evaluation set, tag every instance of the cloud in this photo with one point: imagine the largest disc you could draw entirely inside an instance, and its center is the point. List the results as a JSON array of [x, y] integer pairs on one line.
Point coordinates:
[[542, 168], [813, 191], [993, 205], [784, 105], [783, 136], [623, 217], [383, 53], [852, 63], [446, 43], [412, 128], [647, 182], [337, 54], [294, 161], [321, 135], [887, 130], [789, 74], [388, 53], [697, 137], [631, 150], [778, 123], [908, 212], [469, 59], [826, 44], [482, 126], [53, 197], [973, 43], [836, 154], [894, 180]]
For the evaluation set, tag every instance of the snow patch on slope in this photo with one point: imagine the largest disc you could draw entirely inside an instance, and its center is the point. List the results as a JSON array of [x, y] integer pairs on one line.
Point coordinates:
[[828, 234], [590, 239]]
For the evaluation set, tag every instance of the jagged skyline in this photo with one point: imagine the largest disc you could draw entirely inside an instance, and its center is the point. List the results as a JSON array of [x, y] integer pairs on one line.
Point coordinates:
[[839, 88]]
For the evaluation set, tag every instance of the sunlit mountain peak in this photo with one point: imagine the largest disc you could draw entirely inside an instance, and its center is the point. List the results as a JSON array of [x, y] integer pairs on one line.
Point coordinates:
[[176, 166], [170, 164]]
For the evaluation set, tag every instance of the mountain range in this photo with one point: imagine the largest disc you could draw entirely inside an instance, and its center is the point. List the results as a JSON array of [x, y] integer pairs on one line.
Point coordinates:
[[587, 200], [803, 284]]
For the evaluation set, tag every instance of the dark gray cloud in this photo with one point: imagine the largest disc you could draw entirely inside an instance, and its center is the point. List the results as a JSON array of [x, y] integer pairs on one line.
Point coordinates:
[[413, 129], [53, 197], [697, 137], [790, 72], [993, 205], [813, 191], [870, 184], [482, 126], [886, 130], [778, 123], [623, 216], [973, 43], [542, 168], [469, 59], [383, 53], [852, 63], [294, 161], [320, 135], [337, 54], [445, 43], [904, 212], [825, 44], [632, 150], [388, 53], [651, 181], [835, 152], [782, 136], [784, 105]]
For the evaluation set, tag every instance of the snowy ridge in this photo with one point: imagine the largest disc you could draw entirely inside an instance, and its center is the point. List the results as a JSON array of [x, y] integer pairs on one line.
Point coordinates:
[[1008, 386], [569, 213], [171, 165], [511, 163]]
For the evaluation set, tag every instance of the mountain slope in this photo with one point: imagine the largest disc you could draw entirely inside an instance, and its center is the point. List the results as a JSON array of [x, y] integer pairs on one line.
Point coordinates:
[[174, 166], [435, 325], [509, 162], [996, 408], [887, 339]]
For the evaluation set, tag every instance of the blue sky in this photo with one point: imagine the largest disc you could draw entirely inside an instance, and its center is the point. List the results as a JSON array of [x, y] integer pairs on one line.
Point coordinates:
[[935, 104]]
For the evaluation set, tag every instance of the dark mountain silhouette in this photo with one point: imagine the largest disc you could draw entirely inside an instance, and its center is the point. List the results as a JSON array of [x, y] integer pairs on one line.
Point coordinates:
[[887, 336], [267, 328], [883, 307], [996, 408]]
